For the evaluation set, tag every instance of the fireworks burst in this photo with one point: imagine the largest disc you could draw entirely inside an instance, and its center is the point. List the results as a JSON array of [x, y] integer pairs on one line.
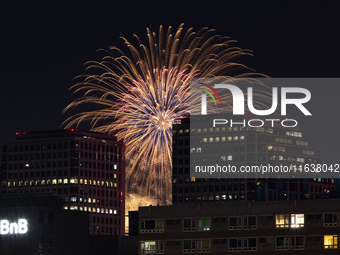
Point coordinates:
[[141, 97]]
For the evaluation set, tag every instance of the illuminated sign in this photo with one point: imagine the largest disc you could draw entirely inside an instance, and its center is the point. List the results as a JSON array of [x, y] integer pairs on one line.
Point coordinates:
[[13, 228]]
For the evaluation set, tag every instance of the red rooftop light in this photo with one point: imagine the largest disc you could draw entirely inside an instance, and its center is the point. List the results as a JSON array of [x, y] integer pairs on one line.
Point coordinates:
[[73, 130]]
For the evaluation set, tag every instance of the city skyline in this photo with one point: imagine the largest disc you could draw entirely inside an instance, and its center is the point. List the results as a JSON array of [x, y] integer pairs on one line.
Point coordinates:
[[46, 47]]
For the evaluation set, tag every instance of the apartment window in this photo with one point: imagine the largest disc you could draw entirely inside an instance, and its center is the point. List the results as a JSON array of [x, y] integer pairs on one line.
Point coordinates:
[[282, 220], [203, 224], [152, 247], [203, 245], [189, 224], [152, 226], [330, 219], [330, 241], [249, 244], [249, 222], [297, 242], [235, 222], [282, 243], [189, 246], [297, 220], [235, 244]]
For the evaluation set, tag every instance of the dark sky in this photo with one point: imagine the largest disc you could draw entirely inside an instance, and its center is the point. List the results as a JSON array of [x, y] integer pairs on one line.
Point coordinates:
[[44, 46]]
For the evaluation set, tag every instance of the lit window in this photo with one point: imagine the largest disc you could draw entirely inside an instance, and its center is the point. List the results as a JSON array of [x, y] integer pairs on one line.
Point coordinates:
[[107, 211], [102, 184], [60, 181], [73, 207], [80, 208], [73, 199], [192, 150], [81, 181], [93, 209], [297, 220], [152, 247], [65, 181], [241, 138], [102, 210], [330, 241], [114, 211], [205, 140], [199, 150], [115, 176], [73, 180], [223, 139], [94, 183], [115, 167], [223, 158], [90, 200], [203, 224], [85, 181], [85, 208], [110, 211], [217, 139], [235, 138], [282, 220], [230, 158], [229, 139], [115, 185], [42, 182]]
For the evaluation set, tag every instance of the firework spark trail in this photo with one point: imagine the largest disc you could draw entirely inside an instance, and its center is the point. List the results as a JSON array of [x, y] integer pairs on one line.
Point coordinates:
[[143, 96]]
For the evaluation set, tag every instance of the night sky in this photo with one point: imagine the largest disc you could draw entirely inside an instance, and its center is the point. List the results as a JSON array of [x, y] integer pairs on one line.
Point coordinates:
[[44, 46]]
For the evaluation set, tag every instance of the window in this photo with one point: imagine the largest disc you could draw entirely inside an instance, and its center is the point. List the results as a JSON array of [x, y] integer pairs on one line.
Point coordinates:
[[147, 226], [189, 246], [297, 220], [152, 247], [330, 241], [330, 220], [203, 224], [297, 242], [203, 245], [249, 244], [282, 243], [160, 226], [249, 222], [189, 225], [235, 244], [282, 220], [235, 222]]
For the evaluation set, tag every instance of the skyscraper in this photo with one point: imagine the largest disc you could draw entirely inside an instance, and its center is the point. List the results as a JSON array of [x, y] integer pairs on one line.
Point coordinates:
[[242, 146], [86, 169]]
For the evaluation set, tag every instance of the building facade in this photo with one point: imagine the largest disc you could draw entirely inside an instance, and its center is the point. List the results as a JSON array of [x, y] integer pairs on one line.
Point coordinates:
[[299, 227], [36, 223], [86, 169], [243, 146]]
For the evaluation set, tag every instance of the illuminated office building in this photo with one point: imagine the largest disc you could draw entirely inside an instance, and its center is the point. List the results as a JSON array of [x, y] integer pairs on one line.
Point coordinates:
[[86, 169], [243, 146]]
